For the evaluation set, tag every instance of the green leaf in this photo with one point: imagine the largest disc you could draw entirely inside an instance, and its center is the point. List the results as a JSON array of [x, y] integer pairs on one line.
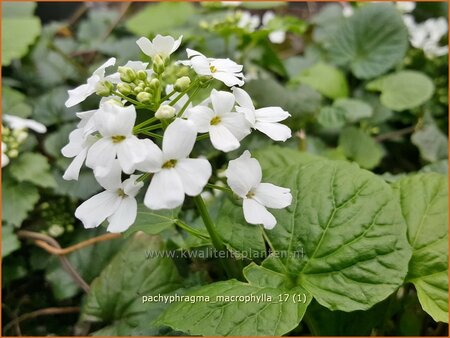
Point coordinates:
[[223, 317], [240, 236], [10, 242], [55, 141], [13, 103], [332, 117], [440, 167], [262, 4], [424, 203], [343, 238], [370, 42], [358, 146], [355, 110], [403, 90], [17, 9], [116, 295], [50, 109], [431, 141], [152, 222], [18, 34], [92, 31], [33, 168], [326, 79], [18, 200], [85, 187], [263, 277], [153, 18]]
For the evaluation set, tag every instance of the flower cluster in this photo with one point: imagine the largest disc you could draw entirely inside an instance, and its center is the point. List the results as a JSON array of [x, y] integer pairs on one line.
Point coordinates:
[[145, 129]]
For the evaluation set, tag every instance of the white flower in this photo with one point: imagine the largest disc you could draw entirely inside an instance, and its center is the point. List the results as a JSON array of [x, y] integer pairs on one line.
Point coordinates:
[[77, 148], [225, 128], [135, 65], [80, 93], [174, 173], [165, 112], [347, 9], [180, 103], [16, 122], [115, 124], [225, 70], [231, 3], [163, 46], [264, 119], [405, 6], [244, 178], [117, 203], [277, 36], [5, 158], [248, 21]]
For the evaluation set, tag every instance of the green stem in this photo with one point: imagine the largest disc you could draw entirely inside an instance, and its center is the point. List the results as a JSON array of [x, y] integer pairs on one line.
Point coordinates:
[[267, 240], [165, 98], [159, 137], [150, 128], [143, 177], [218, 187], [175, 100], [180, 113], [202, 137], [143, 124], [137, 103], [191, 230]]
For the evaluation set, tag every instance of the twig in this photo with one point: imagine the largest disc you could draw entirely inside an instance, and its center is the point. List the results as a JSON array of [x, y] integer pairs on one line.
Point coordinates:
[[394, 134], [41, 312]]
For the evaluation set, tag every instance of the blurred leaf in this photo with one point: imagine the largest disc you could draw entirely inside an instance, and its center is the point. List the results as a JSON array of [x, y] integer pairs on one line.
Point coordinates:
[[33, 168], [326, 79], [424, 203], [332, 117], [18, 200], [115, 297], [17, 36], [94, 28], [154, 18], [124, 49], [372, 41], [55, 141], [17, 9], [13, 267], [431, 141], [440, 167], [403, 90], [50, 109], [10, 242], [13, 103], [360, 147], [354, 109], [326, 22], [85, 187], [262, 4], [296, 64], [152, 222]]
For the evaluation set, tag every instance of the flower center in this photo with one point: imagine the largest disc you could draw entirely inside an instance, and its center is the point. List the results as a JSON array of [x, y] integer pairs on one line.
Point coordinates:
[[250, 194], [212, 69], [169, 164], [118, 138], [121, 193], [215, 120]]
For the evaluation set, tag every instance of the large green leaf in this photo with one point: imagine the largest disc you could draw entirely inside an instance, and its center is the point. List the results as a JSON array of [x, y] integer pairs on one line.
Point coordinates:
[[424, 203], [358, 146], [33, 168], [217, 316], [152, 222], [18, 199], [50, 109], [343, 238], [153, 18], [18, 33], [403, 90], [17, 9], [10, 242], [115, 297], [13, 103], [355, 110], [431, 142], [326, 79], [370, 42]]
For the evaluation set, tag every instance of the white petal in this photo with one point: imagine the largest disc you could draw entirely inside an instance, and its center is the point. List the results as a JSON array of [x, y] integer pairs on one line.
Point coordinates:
[[176, 44], [194, 174], [112, 179], [179, 139], [124, 216], [226, 65], [201, 116], [130, 152], [271, 114], [223, 139], [200, 64], [165, 191], [75, 145], [113, 120], [5, 160], [16, 122], [73, 170], [272, 196], [255, 213], [237, 124], [101, 154], [100, 71], [222, 102], [243, 174], [276, 131], [242, 98], [229, 79], [191, 53], [146, 46], [277, 36], [79, 94], [131, 187], [153, 158], [163, 45], [96, 209]]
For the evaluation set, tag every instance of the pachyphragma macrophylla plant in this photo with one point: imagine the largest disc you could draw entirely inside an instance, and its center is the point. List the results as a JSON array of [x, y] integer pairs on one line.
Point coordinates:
[[125, 156]]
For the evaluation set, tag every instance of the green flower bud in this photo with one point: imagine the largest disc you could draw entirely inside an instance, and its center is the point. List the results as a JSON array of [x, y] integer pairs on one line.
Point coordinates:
[[154, 84], [148, 89], [13, 153], [182, 84], [55, 230], [158, 64], [124, 88], [165, 112], [127, 74], [20, 135], [143, 97], [142, 75], [138, 89], [205, 80], [104, 88]]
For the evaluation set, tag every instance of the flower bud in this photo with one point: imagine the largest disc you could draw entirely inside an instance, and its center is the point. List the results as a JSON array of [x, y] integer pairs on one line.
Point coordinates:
[[127, 74], [142, 75], [154, 84], [138, 89], [104, 88], [20, 135], [143, 97], [13, 153], [158, 64], [165, 112], [124, 88], [148, 89], [182, 84]]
